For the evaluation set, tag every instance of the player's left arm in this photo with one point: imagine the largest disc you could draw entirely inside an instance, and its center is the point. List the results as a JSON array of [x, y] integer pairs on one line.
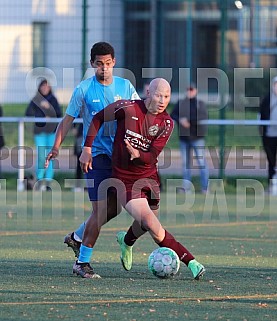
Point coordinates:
[[134, 153]]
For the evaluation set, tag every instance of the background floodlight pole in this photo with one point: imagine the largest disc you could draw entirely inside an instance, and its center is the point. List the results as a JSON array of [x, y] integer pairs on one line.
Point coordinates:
[[153, 33], [84, 37], [189, 35], [222, 110]]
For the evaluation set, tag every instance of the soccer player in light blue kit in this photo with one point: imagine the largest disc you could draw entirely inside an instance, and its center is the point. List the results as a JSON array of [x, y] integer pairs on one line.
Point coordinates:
[[89, 97]]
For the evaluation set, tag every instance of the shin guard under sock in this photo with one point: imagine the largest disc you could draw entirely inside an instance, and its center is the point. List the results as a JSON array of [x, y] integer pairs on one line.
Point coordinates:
[[169, 241]]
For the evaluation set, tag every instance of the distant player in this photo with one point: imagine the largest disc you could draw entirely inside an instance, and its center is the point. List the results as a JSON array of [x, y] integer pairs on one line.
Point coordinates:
[[143, 129]]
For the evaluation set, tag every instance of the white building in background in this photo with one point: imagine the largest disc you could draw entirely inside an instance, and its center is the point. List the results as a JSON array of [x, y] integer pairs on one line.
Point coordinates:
[[48, 34], [152, 38]]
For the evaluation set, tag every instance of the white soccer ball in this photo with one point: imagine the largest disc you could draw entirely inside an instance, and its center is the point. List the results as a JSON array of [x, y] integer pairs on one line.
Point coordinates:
[[163, 262]]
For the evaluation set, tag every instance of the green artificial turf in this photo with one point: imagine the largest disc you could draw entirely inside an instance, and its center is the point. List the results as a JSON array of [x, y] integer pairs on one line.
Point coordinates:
[[232, 235]]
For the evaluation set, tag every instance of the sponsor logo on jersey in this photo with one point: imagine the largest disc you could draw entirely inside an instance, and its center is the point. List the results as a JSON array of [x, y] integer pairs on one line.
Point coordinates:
[[153, 130], [137, 140], [96, 100]]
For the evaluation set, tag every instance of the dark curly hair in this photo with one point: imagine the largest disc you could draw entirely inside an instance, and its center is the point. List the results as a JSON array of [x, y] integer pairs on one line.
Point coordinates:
[[100, 49]]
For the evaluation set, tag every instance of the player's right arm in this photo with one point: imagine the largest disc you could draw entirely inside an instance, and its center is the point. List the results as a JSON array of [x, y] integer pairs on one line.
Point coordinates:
[[114, 111], [61, 132]]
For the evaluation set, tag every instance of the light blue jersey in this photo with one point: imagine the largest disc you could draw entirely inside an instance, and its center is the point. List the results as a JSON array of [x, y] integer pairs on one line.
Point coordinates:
[[89, 97]]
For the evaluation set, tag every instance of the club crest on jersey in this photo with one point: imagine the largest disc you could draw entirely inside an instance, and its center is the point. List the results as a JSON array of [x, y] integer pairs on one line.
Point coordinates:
[[117, 97], [153, 130]]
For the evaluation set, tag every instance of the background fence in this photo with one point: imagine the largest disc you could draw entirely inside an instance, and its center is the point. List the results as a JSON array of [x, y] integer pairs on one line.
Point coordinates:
[[248, 162], [151, 38], [200, 40]]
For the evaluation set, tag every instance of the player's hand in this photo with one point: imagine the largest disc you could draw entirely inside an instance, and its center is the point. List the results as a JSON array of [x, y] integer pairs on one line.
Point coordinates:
[[134, 153], [51, 155], [86, 159]]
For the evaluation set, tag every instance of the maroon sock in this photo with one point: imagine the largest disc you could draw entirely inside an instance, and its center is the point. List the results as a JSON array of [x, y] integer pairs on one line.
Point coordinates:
[[169, 241], [130, 237]]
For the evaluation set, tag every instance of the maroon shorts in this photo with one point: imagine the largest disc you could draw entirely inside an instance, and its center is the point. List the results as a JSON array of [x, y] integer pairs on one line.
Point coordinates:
[[148, 188]]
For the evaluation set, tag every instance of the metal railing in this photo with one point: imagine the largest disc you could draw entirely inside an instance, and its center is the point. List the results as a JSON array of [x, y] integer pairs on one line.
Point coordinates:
[[21, 132], [21, 138]]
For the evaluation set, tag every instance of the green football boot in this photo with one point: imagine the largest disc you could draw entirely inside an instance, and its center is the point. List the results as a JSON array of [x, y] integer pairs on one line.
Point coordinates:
[[126, 252], [197, 269]]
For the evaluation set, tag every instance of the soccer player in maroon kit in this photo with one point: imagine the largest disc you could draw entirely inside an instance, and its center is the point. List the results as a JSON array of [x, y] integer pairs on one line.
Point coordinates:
[[143, 129]]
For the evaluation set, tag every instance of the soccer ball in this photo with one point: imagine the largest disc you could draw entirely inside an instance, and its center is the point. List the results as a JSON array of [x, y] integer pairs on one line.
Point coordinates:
[[163, 262]]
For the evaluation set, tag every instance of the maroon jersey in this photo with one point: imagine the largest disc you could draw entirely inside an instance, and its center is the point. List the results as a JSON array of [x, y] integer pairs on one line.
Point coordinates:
[[145, 131]]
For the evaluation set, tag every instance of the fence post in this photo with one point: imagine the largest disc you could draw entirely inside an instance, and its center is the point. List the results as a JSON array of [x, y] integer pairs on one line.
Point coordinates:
[[223, 28], [84, 37], [21, 153]]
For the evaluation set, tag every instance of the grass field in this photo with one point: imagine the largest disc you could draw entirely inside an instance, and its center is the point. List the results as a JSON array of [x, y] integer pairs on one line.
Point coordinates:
[[235, 243]]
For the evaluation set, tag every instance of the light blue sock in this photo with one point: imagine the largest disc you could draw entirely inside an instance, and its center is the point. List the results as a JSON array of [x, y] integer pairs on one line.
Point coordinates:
[[78, 234], [85, 254]]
